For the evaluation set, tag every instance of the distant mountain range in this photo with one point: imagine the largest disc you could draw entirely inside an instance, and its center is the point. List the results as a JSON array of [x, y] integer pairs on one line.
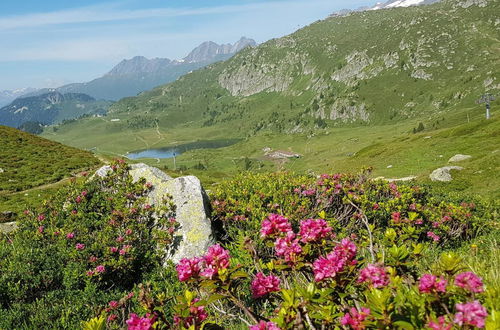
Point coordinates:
[[128, 78], [386, 5], [49, 108], [8, 96], [138, 74]]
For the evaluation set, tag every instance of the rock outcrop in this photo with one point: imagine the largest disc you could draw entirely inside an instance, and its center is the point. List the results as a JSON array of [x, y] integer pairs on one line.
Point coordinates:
[[443, 173], [195, 234]]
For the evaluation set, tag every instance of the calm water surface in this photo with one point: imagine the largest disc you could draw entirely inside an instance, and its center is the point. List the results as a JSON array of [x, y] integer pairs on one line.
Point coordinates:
[[169, 152]]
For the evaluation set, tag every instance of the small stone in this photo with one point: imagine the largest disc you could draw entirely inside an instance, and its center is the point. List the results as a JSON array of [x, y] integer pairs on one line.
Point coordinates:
[[459, 158], [442, 174], [389, 166], [8, 227]]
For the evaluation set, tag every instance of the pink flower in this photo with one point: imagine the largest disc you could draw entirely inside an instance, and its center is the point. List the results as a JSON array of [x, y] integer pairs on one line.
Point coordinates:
[[263, 325], [90, 273], [128, 232], [119, 239], [41, 217], [112, 317], [80, 246], [313, 230], [70, 235], [440, 324], [432, 284], [139, 323], [374, 275], [333, 263], [41, 229], [469, 281], [188, 268], [84, 193], [471, 313], [432, 235], [125, 249], [355, 319], [217, 258], [113, 304], [309, 192], [113, 249], [78, 199], [288, 247], [275, 224], [147, 206], [100, 269], [197, 314], [263, 285], [396, 217], [93, 259]]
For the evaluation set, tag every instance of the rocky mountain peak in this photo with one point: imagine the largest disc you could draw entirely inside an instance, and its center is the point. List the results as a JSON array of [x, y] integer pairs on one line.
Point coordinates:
[[209, 50], [139, 64]]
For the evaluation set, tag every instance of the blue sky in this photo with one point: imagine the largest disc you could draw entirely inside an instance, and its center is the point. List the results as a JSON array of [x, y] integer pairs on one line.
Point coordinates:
[[48, 43]]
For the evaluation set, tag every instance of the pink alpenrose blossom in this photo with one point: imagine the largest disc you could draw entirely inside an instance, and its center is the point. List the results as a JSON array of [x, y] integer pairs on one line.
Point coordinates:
[[432, 284], [140, 323], [439, 324], [263, 325], [470, 282], [263, 285], [355, 319], [188, 268], [275, 224], [216, 259], [100, 269], [471, 313], [374, 275], [313, 230], [288, 247], [334, 262]]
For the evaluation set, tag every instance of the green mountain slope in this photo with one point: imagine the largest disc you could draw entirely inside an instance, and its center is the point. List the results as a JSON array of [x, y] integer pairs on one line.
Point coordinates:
[[371, 67], [28, 161]]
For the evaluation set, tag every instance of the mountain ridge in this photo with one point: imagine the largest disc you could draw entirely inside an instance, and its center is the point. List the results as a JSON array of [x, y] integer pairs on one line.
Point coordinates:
[[50, 108], [133, 76]]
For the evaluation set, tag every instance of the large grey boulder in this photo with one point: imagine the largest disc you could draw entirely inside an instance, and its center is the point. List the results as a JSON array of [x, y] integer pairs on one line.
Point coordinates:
[[443, 173], [459, 158], [195, 233]]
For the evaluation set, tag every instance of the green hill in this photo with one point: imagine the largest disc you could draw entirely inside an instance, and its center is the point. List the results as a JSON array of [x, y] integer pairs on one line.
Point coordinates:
[[28, 161]]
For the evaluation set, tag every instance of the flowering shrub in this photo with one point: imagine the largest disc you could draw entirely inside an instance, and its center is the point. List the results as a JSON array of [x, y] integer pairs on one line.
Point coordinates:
[[97, 236], [338, 251]]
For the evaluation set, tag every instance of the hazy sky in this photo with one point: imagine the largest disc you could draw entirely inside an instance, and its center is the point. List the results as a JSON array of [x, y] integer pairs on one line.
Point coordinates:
[[47, 43]]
